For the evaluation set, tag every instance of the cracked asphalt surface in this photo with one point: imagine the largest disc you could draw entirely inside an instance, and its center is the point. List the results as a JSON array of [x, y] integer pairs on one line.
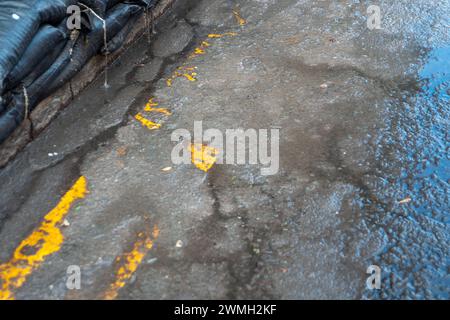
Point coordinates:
[[363, 176]]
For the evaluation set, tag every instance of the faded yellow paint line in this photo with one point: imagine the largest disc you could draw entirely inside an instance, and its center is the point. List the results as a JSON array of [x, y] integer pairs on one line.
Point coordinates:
[[150, 107], [158, 110], [129, 262], [203, 157], [183, 72], [237, 15], [221, 35], [206, 44], [189, 72], [200, 50], [151, 103], [147, 123], [44, 241], [169, 82]]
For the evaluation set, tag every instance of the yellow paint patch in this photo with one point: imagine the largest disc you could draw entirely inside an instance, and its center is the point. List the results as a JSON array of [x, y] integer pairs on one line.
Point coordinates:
[[129, 262], [221, 35], [183, 72], [203, 157], [197, 52], [189, 72], [149, 107], [147, 123], [158, 110], [151, 103], [237, 15], [200, 50], [44, 241]]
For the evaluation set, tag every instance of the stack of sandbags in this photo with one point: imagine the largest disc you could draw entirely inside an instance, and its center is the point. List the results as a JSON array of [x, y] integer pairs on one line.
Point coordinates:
[[39, 53]]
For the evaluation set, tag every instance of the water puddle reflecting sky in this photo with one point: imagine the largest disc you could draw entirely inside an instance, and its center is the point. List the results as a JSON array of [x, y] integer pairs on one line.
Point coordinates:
[[416, 166]]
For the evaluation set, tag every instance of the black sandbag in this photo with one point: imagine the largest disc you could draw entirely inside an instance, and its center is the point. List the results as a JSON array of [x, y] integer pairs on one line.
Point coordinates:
[[44, 42], [18, 105], [17, 27], [5, 102], [53, 11], [116, 19], [17, 33], [44, 65], [112, 3], [99, 6], [12, 118], [39, 88], [19, 22], [145, 3], [74, 56], [117, 42]]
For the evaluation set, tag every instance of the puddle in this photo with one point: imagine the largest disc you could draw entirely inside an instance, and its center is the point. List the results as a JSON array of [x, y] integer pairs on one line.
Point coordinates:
[[415, 163]]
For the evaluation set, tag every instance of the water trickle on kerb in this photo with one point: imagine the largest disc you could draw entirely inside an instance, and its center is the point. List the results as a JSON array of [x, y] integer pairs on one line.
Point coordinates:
[[105, 41]]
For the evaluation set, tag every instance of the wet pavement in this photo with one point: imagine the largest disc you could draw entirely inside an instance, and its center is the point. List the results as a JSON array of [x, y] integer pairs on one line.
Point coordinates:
[[364, 166]]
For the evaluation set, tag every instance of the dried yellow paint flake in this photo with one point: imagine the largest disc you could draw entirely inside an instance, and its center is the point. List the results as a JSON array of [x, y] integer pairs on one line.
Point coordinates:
[[190, 77], [147, 123], [203, 157], [151, 103], [149, 107], [200, 50], [189, 72], [221, 35], [183, 72], [158, 110], [44, 241], [237, 15], [129, 262]]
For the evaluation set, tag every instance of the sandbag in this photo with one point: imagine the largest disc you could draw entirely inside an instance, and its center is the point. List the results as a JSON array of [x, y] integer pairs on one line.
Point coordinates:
[[44, 42], [99, 6], [17, 28], [5, 102], [145, 3], [52, 11], [44, 65], [19, 22], [112, 3], [118, 40], [38, 90], [37, 56], [12, 118], [116, 19]]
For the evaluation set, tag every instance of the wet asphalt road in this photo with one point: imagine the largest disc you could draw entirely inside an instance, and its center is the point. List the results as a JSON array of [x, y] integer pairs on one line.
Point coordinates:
[[363, 177]]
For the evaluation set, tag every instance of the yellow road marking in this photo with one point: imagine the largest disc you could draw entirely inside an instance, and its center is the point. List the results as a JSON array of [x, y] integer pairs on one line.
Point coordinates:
[[149, 107], [237, 15], [221, 35], [189, 72], [151, 103], [147, 123], [130, 262], [44, 241], [200, 50], [183, 72], [158, 110], [203, 157]]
